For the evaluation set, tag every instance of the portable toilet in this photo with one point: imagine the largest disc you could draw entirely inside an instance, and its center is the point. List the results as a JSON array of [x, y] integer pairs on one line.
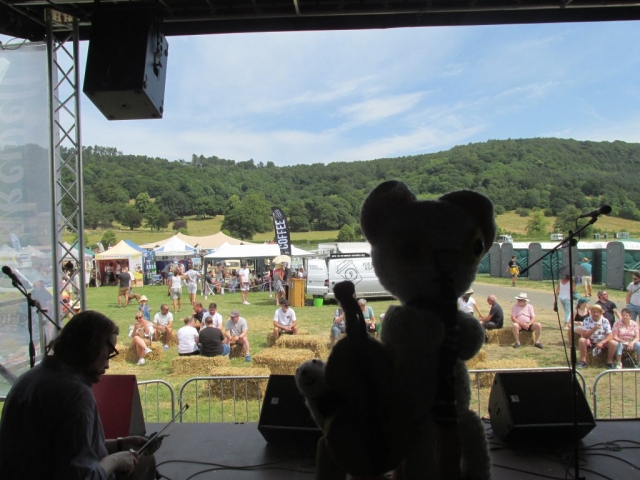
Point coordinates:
[[595, 252], [544, 269], [495, 260], [621, 256]]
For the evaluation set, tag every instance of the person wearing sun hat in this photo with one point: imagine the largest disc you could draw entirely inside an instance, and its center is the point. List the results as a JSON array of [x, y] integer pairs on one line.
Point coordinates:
[[467, 304], [144, 308], [523, 317], [596, 335]]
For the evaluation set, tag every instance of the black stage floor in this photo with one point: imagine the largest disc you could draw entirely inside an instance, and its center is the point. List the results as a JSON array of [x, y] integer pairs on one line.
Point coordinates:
[[238, 451]]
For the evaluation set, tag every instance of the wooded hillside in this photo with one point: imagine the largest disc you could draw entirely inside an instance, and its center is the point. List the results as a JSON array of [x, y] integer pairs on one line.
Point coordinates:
[[554, 175]]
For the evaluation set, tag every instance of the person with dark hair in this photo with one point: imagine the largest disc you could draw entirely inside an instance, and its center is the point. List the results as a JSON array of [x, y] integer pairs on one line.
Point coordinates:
[[51, 412]]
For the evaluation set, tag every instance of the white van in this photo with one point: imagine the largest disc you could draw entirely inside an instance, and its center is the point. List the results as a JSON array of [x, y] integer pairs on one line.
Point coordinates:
[[324, 273]]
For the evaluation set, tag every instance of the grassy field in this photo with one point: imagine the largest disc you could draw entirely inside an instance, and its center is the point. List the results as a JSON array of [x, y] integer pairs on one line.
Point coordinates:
[[317, 320], [512, 222], [509, 221]]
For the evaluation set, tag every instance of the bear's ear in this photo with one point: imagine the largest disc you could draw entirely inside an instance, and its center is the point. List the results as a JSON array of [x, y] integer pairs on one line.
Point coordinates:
[[383, 201], [480, 208]]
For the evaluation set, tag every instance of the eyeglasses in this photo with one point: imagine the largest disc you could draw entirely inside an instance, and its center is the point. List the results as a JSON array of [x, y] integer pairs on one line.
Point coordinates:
[[114, 352], [138, 317]]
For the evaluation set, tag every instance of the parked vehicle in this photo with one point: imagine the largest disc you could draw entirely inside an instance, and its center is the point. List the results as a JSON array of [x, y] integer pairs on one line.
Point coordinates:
[[505, 239], [323, 273]]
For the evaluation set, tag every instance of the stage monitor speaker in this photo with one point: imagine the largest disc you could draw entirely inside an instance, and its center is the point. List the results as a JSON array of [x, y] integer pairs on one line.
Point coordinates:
[[528, 406], [118, 400], [127, 64], [285, 418]]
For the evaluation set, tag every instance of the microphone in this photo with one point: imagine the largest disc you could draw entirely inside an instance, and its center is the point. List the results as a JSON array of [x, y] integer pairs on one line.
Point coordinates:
[[9, 273], [603, 210]]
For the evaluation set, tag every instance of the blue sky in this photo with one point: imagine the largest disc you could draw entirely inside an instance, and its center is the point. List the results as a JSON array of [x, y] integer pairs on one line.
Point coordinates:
[[311, 97]]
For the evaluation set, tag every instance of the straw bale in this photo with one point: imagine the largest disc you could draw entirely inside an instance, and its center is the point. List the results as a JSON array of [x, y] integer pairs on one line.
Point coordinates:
[[271, 338], [196, 365], [282, 361], [236, 351], [599, 361], [255, 388], [128, 353], [481, 356], [316, 343], [504, 336], [486, 379]]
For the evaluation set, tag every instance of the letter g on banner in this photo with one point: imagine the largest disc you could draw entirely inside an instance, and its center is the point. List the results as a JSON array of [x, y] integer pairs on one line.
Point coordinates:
[[281, 228]]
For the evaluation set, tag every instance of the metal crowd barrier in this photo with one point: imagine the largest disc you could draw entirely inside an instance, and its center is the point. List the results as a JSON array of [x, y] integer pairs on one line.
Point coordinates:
[[154, 392], [620, 400], [223, 399]]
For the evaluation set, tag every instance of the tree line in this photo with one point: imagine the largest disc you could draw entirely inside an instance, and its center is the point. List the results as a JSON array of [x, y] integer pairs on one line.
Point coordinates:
[[548, 176]]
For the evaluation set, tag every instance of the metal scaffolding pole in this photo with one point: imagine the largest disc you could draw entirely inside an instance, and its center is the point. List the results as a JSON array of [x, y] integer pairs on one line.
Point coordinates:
[[65, 161]]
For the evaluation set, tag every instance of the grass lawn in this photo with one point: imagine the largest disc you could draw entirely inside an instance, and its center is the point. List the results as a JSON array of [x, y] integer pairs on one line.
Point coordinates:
[[317, 320]]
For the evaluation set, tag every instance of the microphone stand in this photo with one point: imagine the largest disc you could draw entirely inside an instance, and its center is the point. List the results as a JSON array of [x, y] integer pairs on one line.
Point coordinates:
[[571, 242], [32, 303]]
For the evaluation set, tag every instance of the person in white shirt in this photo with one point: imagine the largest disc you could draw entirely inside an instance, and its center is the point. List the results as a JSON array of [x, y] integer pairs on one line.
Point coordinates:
[[188, 338], [216, 317], [467, 304], [192, 276], [284, 320], [163, 324], [245, 284], [175, 290]]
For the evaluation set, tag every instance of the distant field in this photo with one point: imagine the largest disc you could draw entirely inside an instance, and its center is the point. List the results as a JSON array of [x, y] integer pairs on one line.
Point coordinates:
[[509, 221], [516, 224]]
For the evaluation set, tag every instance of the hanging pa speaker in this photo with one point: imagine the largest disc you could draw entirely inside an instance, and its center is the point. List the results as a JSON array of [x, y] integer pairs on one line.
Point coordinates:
[[285, 418], [528, 406], [126, 64]]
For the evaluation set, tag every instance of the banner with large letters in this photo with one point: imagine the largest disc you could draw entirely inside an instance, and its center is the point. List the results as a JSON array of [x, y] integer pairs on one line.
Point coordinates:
[[25, 194], [281, 227]]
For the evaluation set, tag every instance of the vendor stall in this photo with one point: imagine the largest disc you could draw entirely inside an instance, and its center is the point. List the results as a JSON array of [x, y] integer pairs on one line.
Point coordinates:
[[110, 262]]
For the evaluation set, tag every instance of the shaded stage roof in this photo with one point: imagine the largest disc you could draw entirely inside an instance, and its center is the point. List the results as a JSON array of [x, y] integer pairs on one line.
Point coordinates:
[[24, 18]]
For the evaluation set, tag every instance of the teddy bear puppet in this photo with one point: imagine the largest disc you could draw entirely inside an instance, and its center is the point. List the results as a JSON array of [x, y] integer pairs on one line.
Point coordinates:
[[406, 398]]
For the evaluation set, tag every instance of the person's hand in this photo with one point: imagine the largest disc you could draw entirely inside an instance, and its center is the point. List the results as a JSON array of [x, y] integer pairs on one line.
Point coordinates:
[[134, 441], [126, 461]]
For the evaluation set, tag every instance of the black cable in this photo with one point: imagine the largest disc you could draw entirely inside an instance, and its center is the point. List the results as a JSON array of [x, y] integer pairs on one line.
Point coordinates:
[[526, 471], [7, 45]]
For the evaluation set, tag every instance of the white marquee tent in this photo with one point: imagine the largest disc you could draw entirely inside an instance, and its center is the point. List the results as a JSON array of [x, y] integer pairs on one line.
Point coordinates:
[[254, 251], [175, 247]]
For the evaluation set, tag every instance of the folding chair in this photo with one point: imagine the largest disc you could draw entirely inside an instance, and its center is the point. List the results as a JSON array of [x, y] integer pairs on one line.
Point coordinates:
[[156, 279], [209, 289]]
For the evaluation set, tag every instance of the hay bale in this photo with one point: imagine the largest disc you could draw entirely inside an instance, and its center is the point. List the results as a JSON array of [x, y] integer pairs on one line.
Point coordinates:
[[599, 361], [480, 357], [504, 336], [484, 380], [197, 365], [253, 388], [128, 353], [236, 351], [316, 343], [271, 338], [282, 361]]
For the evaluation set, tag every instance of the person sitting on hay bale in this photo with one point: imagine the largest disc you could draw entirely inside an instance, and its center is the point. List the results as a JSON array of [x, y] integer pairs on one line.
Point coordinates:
[[524, 318], [495, 319], [284, 320], [338, 326], [188, 338], [626, 333], [236, 333], [211, 340], [215, 316], [163, 325], [596, 335], [141, 333]]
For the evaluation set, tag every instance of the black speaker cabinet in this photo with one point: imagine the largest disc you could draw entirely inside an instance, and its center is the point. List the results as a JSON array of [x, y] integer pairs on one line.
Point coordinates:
[[126, 64], [526, 406], [285, 419]]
